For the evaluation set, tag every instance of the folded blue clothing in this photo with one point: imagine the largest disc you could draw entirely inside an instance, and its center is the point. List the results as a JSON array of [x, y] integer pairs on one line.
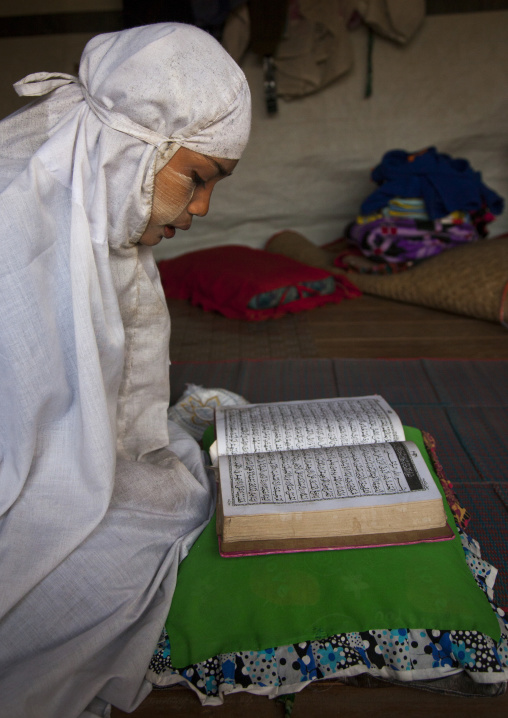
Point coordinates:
[[445, 184]]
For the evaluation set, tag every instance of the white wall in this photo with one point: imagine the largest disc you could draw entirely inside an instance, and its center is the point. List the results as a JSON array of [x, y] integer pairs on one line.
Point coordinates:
[[307, 168]]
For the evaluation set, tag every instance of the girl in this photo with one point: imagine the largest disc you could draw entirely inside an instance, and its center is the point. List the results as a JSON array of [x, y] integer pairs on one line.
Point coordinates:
[[98, 503]]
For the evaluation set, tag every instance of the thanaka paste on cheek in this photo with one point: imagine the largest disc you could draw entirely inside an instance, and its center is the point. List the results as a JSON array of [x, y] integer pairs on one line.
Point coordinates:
[[173, 192]]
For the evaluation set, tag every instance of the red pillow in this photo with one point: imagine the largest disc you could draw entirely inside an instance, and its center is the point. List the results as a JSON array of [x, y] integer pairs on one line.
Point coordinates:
[[226, 278]]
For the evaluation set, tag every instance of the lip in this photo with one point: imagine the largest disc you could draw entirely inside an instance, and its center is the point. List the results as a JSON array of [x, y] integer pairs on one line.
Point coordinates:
[[169, 230]]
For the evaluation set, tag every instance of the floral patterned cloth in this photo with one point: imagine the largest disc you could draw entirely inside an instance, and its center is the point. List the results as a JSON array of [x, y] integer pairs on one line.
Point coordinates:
[[399, 654], [407, 240]]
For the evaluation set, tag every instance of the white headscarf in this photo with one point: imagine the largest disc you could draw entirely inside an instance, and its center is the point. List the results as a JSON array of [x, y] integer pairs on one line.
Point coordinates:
[[154, 87], [95, 510]]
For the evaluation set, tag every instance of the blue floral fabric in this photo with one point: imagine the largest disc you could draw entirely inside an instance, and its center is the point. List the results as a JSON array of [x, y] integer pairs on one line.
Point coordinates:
[[399, 654]]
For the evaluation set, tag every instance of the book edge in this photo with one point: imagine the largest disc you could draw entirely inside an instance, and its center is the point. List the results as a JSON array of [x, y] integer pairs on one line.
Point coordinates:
[[230, 549]]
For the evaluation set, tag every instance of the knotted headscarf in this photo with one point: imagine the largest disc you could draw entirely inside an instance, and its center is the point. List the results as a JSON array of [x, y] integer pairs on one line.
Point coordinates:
[[143, 93]]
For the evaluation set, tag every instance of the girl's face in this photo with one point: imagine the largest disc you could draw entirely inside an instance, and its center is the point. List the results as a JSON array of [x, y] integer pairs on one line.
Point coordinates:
[[182, 190]]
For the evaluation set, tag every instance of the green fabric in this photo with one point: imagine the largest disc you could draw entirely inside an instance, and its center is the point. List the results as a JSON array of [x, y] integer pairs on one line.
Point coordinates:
[[226, 605], [208, 437]]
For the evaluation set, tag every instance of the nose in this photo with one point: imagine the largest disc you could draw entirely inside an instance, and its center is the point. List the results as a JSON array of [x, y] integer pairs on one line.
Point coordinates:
[[200, 202]]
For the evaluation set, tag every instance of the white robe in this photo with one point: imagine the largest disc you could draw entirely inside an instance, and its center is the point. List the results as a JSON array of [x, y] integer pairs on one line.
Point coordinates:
[[96, 510]]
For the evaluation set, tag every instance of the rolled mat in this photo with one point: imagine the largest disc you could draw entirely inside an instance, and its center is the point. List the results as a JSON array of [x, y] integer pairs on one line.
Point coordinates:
[[470, 280]]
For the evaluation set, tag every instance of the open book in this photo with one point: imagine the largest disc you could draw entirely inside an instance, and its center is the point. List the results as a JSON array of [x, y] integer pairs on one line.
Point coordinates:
[[332, 473]]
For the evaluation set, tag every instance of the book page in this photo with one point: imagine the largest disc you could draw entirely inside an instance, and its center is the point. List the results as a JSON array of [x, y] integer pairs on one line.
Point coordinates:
[[283, 426], [324, 479]]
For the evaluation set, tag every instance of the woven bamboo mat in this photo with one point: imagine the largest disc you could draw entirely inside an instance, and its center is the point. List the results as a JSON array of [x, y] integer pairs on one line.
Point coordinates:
[[470, 280], [207, 336]]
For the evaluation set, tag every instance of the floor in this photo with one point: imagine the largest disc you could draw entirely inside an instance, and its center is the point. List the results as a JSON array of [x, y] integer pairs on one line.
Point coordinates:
[[365, 327], [328, 699], [360, 328]]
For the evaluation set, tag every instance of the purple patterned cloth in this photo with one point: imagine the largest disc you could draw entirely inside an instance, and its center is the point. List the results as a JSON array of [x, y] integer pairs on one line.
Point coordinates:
[[408, 240]]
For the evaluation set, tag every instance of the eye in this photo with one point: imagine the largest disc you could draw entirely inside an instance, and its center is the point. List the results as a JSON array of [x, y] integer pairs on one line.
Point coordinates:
[[199, 181]]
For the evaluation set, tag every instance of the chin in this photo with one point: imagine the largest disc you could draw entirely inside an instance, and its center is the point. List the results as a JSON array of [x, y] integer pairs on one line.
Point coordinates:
[[149, 243]]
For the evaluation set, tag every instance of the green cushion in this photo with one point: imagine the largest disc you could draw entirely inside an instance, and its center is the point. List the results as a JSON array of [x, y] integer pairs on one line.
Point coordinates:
[[226, 605]]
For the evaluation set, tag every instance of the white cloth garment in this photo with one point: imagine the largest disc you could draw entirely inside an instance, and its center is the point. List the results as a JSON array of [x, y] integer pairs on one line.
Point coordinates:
[[95, 510]]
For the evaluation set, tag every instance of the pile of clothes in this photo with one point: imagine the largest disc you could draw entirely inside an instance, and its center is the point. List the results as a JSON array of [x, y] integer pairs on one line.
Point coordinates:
[[425, 203]]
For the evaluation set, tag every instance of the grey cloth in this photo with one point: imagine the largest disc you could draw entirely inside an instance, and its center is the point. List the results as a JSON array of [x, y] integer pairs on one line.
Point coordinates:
[[315, 48]]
